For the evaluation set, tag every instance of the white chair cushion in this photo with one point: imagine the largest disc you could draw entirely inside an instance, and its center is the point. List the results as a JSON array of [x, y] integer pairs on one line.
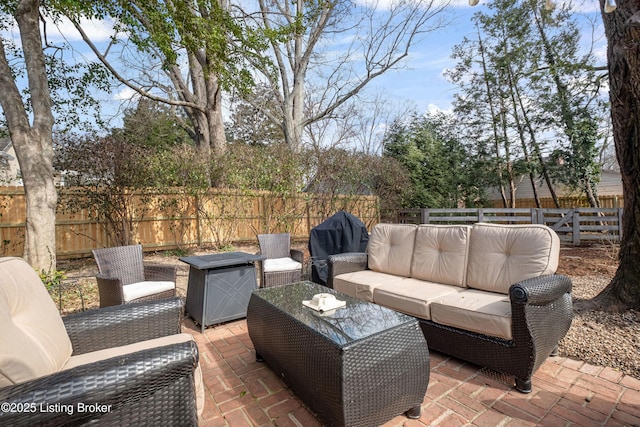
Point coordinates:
[[483, 312], [281, 264], [33, 339], [144, 289], [390, 248], [108, 353]]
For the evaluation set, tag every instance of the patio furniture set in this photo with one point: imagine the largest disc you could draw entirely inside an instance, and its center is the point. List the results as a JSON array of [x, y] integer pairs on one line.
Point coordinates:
[[486, 294]]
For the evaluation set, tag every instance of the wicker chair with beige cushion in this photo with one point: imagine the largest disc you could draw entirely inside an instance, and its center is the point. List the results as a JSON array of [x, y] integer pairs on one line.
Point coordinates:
[[124, 278], [283, 264], [122, 365]]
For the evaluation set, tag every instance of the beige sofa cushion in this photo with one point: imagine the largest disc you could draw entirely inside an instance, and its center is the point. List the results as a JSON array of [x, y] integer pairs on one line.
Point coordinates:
[[96, 356], [390, 248], [360, 284], [501, 255], [483, 312], [412, 296], [33, 339], [440, 254]]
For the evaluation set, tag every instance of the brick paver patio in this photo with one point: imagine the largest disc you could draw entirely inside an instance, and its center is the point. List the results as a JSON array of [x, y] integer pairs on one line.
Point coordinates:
[[243, 392]]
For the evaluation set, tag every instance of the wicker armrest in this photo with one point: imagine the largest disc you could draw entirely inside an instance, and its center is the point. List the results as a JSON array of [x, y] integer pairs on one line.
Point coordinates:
[[160, 272], [147, 387], [540, 290], [347, 262], [110, 290], [297, 255], [541, 314], [123, 324]]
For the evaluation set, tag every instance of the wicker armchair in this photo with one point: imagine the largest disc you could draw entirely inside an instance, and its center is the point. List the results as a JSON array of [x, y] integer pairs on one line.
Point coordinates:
[[283, 264], [124, 278], [122, 365]]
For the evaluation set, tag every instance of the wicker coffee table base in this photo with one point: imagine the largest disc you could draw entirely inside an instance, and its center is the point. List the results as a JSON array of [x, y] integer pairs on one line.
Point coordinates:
[[364, 383]]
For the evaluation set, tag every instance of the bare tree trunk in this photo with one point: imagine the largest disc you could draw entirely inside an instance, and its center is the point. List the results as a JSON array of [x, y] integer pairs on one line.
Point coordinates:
[[507, 155], [538, 153], [513, 91], [494, 124], [201, 101], [213, 109], [592, 196], [33, 142], [382, 39], [567, 115], [624, 77]]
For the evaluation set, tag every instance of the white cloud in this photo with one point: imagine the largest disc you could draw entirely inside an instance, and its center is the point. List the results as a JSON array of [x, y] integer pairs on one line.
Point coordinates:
[[97, 30], [125, 94], [434, 109]]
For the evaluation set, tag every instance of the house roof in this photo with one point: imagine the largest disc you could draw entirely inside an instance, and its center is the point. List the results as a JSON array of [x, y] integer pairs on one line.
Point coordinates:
[[5, 157], [610, 184]]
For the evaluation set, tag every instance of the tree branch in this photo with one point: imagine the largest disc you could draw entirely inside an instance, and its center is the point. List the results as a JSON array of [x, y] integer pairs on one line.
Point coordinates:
[[126, 82]]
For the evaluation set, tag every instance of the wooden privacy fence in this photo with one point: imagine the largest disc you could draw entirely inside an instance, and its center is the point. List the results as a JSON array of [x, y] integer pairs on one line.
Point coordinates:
[[573, 225], [177, 219]]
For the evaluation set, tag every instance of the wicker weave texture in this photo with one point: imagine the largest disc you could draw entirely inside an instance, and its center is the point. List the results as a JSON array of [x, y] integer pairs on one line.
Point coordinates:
[[123, 265], [150, 387], [277, 278], [116, 326], [278, 246], [275, 245], [364, 383], [347, 262]]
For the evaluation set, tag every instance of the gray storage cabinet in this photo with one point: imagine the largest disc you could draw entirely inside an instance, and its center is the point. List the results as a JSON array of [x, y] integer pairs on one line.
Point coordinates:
[[220, 286]]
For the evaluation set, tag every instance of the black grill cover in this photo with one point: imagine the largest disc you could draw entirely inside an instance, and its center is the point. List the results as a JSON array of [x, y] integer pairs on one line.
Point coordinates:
[[340, 233]]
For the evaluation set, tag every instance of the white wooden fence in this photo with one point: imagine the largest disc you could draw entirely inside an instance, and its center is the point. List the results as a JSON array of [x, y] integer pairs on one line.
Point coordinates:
[[573, 225]]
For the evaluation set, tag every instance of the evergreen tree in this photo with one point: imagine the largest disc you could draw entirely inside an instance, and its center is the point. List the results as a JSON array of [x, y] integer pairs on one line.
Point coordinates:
[[441, 170], [527, 90]]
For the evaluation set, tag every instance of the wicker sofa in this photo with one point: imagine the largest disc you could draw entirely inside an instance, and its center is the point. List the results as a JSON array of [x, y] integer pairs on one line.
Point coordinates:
[[485, 293]]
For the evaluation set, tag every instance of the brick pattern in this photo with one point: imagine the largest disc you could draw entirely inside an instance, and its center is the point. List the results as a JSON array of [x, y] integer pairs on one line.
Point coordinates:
[[242, 392]]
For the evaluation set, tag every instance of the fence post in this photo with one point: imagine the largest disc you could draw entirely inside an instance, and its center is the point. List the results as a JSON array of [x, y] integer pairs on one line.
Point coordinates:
[[424, 216], [619, 224], [575, 230], [198, 219], [308, 212], [480, 215]]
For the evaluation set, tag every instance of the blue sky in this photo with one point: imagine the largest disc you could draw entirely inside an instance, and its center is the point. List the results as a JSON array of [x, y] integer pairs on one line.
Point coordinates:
[[419, 83], [422, 82]]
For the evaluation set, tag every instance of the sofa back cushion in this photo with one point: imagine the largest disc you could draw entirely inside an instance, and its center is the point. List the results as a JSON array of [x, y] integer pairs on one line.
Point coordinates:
[[33, 339], [391, 248], [501, 255], [440, 254]]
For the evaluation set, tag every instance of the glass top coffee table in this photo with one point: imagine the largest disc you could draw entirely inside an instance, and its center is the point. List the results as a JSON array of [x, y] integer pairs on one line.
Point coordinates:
[[360, 365]]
